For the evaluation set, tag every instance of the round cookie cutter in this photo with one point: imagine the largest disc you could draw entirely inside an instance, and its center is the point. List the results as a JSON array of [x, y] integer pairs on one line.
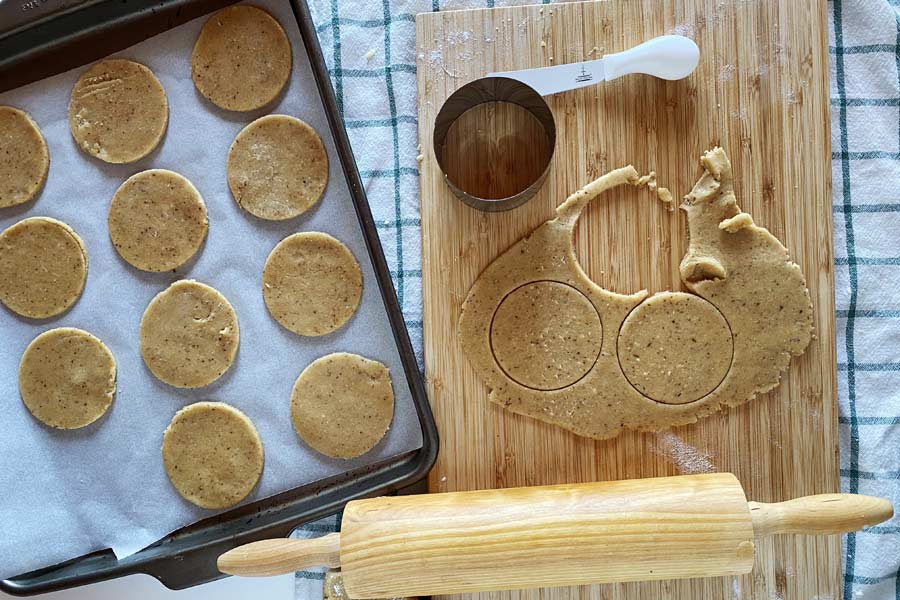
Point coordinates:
[[668, 57], [483, 91]]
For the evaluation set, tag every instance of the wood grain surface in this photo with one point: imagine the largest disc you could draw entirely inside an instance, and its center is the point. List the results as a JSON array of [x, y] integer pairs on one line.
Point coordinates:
[[761, 91]]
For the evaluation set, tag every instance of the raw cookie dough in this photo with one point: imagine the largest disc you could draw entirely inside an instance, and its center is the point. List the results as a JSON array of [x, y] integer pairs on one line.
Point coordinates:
[[157, 220], [189, 335], [342, 404], [277, 167], [311, 283], [67, 378], [24, 157], [118, 111], [675, 347], [242, 59], [740, 269], [212, 454], [546, 335], [43, 267]]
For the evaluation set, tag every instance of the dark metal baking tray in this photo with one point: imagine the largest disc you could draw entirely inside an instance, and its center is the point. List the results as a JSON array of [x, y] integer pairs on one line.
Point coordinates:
[[66, 36]]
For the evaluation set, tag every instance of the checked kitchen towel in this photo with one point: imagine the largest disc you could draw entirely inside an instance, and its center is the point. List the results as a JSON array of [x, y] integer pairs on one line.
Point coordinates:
[[370, 50]]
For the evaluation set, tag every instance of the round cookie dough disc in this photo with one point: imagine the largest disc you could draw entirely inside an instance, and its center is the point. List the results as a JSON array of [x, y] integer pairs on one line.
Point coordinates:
[[546, 335], [118, 111], [67, 378], [342, 404], [24, 157], [189, 335], [311, 283], [43, 266], [212, 454], [157, 220], [242, 59], [675, 348], [277, 167]]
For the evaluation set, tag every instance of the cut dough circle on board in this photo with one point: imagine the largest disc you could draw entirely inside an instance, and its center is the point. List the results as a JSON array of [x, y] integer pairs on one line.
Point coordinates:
[[157, 220], [277, 167], [118, 111], [24, 157], [189, 335], [312, 283], [675, 348], [242, 58], [67, 378], [43, 267], [342, 404], [667, 360], [212, 454], [546, 335]]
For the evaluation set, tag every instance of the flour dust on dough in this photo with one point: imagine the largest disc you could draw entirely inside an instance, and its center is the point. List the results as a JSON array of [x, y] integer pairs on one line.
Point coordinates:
[[660, 361]]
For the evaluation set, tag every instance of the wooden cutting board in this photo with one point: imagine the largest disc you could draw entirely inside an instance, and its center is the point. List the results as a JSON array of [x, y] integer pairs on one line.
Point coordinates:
[[761, 91]]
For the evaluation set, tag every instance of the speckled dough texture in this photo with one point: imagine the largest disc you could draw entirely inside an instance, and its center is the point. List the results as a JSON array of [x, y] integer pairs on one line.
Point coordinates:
[[342, 404], [277, 167], [738, 272], [24, 157], [67, 378], [212, 454], [242, 58], [189, 335], [157, 220], [118, 111], [312, 284], [43, 267]]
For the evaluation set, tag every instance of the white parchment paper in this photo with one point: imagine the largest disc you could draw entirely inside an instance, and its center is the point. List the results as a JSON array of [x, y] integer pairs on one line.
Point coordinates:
[[63, 494]]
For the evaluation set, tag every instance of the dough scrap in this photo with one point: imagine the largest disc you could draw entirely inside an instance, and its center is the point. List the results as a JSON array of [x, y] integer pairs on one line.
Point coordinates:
[[118, 111], [312, 284], [736, 266], [546, 335], [242, 58], [43, 267], [189, 335], [157, 220], [24, 157], [212, 454], [277, 167], [67, 378], [343, 404], [333, 588]]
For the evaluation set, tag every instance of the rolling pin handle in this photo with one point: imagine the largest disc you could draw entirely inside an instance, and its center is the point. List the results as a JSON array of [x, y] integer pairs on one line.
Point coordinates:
[[824, 514], [266, 558]]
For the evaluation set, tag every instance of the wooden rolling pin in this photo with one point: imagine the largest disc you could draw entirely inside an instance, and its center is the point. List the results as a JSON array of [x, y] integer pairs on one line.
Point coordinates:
[[665, 528]]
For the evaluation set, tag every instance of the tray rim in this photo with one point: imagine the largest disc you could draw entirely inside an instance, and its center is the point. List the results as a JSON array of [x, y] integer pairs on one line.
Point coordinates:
[[187, 556]]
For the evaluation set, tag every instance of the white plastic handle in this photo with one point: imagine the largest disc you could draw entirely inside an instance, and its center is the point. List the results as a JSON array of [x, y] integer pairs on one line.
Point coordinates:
[[667, 57]]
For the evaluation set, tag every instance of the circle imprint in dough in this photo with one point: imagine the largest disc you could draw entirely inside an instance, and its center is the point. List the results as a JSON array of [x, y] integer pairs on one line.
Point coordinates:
[[189, 335], [118, 111], [242, 58], [277, 167], [311, 283], [212, 454], [546, 335], [675, 348], [24, 157], [43, 267], [157, 220], [342, 404], [67, 378]]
